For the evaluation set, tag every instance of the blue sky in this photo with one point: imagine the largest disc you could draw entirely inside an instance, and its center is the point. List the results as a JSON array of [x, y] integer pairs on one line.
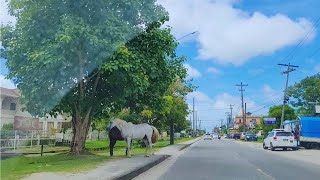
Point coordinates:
[[256, 36], [240, 41]]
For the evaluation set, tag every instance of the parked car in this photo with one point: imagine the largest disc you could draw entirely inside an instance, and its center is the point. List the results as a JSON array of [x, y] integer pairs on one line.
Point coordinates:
[[207, 136], [236, 136], [250, 136], [215, 136], [279, 139]]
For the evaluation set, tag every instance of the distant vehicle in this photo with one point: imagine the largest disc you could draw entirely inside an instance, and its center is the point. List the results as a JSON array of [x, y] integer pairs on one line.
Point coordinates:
[[207, 136], [215, 136], [306, 129], [280, 139], [250, 136], [236, 136], [225, 136]]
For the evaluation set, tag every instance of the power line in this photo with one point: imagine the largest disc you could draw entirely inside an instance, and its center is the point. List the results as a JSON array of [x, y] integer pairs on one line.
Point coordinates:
[[187, 35], [315, 52], [302, 40]]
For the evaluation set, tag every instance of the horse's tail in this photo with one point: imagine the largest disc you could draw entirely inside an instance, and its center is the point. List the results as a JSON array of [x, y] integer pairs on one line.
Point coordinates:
[[155, 135]]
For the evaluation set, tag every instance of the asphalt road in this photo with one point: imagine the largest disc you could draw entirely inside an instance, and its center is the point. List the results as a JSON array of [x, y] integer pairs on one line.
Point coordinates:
[[224, 159]]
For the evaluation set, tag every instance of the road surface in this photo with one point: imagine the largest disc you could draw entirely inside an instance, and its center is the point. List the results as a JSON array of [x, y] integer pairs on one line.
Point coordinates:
[[225, 159]]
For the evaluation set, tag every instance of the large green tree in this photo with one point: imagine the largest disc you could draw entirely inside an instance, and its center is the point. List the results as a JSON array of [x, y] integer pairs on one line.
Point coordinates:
[[275, 112], [89, 57], [305, 92]]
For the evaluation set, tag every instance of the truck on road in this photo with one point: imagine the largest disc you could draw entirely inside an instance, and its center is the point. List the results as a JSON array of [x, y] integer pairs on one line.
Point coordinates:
[[307, 129]]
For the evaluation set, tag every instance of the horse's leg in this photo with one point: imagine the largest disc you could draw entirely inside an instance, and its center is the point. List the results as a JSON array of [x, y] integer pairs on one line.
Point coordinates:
[[150, 145], [111, 146], [130, 147], [147, 145], [128, 141]]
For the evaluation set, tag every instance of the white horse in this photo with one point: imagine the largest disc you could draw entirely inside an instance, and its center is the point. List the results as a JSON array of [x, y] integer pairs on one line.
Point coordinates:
[[149, 134]]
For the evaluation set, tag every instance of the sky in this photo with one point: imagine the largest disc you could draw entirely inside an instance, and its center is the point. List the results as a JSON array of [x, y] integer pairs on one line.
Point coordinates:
[[238, 41]]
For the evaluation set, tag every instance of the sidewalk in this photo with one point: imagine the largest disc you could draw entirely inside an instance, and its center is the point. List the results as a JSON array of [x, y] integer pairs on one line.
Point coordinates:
[[126, 168]]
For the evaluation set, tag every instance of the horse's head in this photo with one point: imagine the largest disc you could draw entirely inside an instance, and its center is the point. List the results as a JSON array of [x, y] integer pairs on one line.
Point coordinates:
[[109, 126]]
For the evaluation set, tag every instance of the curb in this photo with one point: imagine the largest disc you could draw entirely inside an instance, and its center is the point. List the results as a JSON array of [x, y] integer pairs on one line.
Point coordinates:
[[142, 169], [189, 144], [146, 167]]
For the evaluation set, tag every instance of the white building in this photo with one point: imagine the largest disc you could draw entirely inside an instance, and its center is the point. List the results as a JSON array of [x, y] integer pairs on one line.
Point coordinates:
[[11, 110]]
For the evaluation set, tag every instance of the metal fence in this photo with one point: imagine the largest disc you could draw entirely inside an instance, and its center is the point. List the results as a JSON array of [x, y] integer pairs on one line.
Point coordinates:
[[14, 139], [17, 139]]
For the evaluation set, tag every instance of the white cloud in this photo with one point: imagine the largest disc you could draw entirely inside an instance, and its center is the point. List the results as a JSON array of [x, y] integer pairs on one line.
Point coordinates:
[[199, 97], [213, 70], [5, 83], [256, 71], [5, 18], [271, 94], [230, 35], [192, 72]]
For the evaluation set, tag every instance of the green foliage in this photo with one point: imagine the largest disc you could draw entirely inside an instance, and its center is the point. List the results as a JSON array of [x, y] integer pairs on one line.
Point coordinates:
[[8, 126], [276, 111], [7, 131], [89, 58], [307, 90]]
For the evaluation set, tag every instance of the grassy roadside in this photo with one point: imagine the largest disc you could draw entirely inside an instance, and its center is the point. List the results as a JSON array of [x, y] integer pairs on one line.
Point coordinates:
[[17, 167]]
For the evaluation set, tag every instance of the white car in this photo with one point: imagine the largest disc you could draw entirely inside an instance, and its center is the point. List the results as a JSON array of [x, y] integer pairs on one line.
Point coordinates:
[[280, 139], [214, 136], [207, 137]]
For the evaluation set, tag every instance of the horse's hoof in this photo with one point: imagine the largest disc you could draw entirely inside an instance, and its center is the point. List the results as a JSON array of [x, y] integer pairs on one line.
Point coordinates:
[[129, 156]]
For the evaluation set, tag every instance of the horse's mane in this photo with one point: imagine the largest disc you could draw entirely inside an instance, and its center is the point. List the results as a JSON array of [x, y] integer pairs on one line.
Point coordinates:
[[119, 122]]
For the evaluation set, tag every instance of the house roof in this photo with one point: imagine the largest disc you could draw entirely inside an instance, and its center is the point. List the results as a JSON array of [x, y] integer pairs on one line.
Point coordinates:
[[9, 92]]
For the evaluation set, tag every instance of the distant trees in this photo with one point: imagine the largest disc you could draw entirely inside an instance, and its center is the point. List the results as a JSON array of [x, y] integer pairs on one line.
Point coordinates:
[[276, 111], [304, 92]]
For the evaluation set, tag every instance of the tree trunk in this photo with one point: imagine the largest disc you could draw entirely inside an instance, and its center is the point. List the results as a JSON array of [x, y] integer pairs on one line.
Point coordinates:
[[81, 128], [171, 133], [80, 135]]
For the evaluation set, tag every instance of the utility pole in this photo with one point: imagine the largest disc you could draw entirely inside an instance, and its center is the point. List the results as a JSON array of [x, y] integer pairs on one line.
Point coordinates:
[[193, 113], [285, 98], [230, 113], [243, 115], [196, 122]]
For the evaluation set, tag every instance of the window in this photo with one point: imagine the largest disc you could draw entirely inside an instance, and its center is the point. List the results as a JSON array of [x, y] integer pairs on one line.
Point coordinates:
[[13, 106], [41, 125], [59, 125], [284, 134], [50, 125]]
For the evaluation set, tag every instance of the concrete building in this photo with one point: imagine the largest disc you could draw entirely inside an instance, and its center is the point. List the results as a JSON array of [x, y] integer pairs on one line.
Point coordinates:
[[252, 121], [11, 113]]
